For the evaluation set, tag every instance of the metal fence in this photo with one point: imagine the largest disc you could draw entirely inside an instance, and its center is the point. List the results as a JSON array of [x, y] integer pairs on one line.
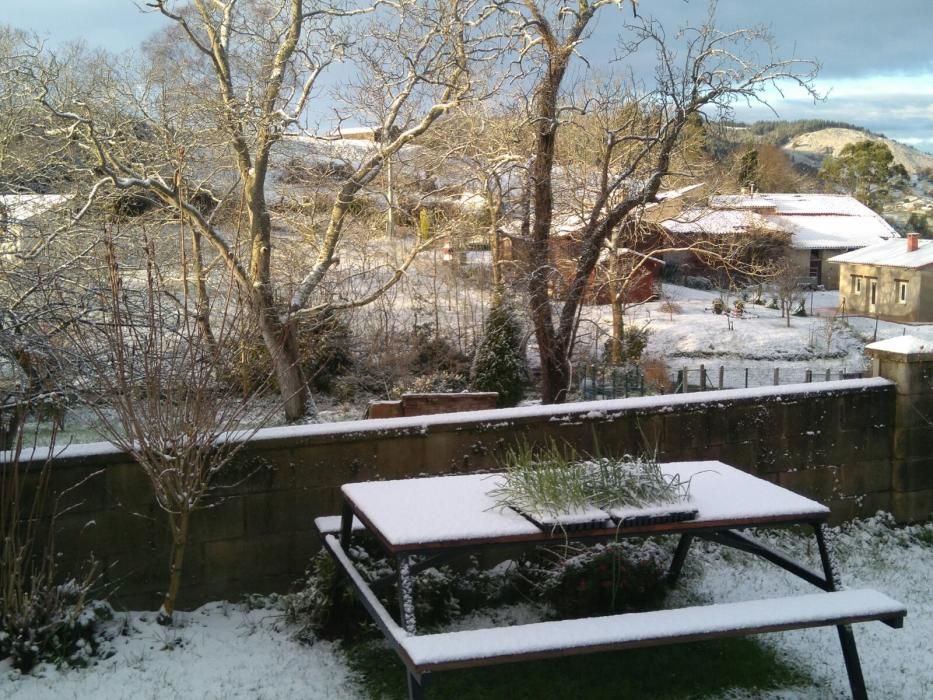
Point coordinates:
[[595, 382], [705, 378]]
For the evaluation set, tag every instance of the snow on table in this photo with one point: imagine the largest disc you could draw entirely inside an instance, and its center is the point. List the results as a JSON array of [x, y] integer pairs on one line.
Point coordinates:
[[434, 511]]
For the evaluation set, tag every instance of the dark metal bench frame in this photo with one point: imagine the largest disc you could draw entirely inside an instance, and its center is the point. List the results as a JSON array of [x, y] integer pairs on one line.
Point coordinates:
[[725, 534]]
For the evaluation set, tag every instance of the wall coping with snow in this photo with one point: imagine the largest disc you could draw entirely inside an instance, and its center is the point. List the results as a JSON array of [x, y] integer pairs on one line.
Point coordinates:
[[105, 452], [908, 347]]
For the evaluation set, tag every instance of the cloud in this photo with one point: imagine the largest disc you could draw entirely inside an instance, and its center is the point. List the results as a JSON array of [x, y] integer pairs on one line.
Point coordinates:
[[899, 106]]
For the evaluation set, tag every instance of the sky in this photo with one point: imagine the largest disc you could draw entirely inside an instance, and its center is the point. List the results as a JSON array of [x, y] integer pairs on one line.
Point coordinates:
[[876, 57]]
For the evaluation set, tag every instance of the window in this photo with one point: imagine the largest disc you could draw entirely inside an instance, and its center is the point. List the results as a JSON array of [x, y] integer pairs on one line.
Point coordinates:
[[857, 284], [901, 291]]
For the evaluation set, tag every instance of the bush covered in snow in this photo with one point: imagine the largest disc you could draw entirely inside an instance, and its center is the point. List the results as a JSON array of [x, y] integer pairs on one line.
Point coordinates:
[[54, 624]]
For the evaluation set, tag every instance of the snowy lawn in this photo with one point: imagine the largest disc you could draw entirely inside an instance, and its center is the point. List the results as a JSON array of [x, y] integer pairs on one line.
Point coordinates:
[[218, 651], [229, 651], [685, 332]]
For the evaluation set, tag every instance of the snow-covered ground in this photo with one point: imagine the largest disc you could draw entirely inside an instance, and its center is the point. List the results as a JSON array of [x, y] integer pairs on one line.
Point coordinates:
[[216, 652], [229, 651], [685, 332]]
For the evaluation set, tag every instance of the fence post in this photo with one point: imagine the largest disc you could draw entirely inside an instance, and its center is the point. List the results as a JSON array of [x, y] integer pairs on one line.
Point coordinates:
[[702, 377], [686, 383], [829, 374], [809, 376], [777, 376], [746, 377], [722, 376]]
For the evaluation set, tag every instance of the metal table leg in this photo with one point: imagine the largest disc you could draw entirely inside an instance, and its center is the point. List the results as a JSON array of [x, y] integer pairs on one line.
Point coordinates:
[[406, 604], [680, 555], [846, 637], [346, 526]]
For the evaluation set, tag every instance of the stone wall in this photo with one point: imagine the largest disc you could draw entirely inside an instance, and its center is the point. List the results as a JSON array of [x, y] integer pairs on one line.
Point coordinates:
[[830, 440]]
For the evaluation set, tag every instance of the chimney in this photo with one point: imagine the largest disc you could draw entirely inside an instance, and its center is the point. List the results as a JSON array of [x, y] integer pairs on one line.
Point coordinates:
[[913, 242]]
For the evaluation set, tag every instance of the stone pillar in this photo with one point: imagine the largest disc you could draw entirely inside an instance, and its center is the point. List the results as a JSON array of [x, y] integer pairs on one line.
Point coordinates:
[[908, 361]]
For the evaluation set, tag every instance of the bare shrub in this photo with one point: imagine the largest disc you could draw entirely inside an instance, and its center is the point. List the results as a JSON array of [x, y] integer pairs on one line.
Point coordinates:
[[160, 364], [657, 374], [41, 617]]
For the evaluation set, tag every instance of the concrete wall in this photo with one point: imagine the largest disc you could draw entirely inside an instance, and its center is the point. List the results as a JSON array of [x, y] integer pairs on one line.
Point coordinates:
[[831, 441]]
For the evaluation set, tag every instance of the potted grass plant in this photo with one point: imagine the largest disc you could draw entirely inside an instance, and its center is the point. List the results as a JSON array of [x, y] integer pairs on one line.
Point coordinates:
[[555, 486]]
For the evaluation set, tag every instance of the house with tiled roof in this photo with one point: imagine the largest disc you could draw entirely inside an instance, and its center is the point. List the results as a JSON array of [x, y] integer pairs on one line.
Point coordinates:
[[891, 280], [819, 225]]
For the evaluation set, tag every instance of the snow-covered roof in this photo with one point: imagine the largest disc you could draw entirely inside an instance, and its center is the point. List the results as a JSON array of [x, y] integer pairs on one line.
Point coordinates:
[[890, 254], [740, 201], [719, 221], [350, 131], [22, 207], [815, 221], [666, 195]]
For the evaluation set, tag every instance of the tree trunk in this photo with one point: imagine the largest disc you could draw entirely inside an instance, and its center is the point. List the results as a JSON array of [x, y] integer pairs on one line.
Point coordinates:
[[279, 337], [618, 330], [179, 524], [282, 343], [203, 308], [555, 366]]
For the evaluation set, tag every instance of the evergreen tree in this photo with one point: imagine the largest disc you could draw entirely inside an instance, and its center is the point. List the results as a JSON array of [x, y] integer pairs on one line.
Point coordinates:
[[500, 364], [866, 170], [749, 169], [919, 223]]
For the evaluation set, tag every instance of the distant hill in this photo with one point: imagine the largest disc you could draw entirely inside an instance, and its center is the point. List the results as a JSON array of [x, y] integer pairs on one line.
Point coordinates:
[[812, 147], [780, 132], [809, 141]]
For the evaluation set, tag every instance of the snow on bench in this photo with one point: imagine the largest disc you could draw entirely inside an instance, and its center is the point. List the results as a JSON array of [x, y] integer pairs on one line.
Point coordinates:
[[449, 650], [437, 652], [330, 524]]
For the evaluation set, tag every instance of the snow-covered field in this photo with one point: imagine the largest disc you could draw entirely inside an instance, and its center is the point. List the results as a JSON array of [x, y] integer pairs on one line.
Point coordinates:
[[229, 651], [685, 333]]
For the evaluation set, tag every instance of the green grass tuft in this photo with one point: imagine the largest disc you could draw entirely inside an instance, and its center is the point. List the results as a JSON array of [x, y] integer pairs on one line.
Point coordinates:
[[697, 670]]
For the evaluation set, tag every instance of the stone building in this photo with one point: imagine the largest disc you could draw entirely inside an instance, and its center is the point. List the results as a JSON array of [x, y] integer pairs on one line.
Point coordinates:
[[891, 280], [819, 225]]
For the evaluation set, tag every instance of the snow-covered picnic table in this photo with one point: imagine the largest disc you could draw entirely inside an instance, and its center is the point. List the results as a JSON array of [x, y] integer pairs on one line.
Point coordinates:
[[417, 520]]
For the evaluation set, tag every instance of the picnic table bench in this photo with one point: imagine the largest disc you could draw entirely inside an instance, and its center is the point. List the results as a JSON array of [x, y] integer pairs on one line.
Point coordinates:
[[440, 516]]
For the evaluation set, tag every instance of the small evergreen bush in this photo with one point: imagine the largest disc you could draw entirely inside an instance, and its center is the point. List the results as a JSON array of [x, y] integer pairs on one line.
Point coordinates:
[[581, 581], [631, 346], [500, 364]]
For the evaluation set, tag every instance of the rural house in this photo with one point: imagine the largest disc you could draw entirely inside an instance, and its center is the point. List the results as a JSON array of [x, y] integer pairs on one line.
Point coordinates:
[[20, 217], [891, 280], [640, 271], [819, 225], [633, 268]]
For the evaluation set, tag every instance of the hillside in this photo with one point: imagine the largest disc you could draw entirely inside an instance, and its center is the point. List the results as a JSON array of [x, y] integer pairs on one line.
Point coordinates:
[[811, 147]]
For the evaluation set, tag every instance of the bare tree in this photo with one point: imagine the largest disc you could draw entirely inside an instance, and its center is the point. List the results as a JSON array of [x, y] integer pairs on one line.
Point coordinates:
[[699, 73], [208, 126], [789, 290]]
